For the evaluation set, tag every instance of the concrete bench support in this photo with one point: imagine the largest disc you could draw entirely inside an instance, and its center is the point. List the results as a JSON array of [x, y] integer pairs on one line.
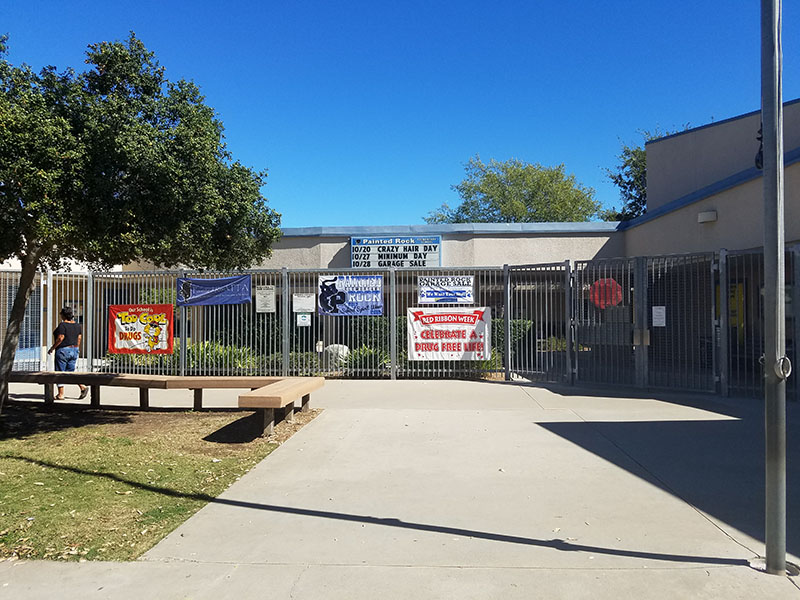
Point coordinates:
[[198, 398], [275, 402], [144, 397], [95, 396], [266, 420]]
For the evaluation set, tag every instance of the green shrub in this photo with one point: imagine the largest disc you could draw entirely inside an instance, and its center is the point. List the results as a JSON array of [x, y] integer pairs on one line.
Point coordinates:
[[366, 361]]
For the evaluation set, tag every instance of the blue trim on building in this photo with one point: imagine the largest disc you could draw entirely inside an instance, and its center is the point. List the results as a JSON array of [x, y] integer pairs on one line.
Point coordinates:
[[737, 179], [601, 227], [715, 123]]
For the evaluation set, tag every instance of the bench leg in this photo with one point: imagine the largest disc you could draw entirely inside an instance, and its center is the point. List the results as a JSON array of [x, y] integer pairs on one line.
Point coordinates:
[[266, 420], [144, 397], [95, 396], [306, 406], [198, 399], [49, 398], [286, 413]]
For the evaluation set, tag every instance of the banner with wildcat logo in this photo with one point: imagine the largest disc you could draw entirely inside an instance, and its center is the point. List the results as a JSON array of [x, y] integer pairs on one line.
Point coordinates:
[[350, 295], [140, 328]]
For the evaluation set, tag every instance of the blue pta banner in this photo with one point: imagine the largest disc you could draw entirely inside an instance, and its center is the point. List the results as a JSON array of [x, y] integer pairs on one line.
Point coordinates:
[[204, 292], [351, 295]]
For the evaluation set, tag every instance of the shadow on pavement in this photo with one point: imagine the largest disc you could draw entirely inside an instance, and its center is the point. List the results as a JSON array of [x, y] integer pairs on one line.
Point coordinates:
[[555, 544], [717, 465]]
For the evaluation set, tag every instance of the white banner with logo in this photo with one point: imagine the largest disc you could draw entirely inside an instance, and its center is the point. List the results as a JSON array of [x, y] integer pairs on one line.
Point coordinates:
[[449, 333], [445, 289]]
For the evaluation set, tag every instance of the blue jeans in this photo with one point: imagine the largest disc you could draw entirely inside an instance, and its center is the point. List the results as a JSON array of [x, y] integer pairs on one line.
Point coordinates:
[[66, 358]]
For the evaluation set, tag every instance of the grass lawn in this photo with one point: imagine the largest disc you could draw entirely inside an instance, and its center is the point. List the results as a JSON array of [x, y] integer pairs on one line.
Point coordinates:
[[108, 485]]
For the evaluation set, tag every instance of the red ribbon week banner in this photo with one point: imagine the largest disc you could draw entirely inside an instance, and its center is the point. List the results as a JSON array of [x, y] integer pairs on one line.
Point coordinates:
[[449, 333], [140, 328]]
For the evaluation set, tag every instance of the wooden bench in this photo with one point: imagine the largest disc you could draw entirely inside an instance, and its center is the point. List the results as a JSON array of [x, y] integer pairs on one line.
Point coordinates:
[[142, 381], [275, 401]]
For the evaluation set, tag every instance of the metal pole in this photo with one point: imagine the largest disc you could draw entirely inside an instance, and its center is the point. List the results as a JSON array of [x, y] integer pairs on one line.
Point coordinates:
[[507, 322], [568, 321], [724, 324], [88, 312], [776, 366], [184, 337], [640, 321], [285, 322], [393, 321], [49, 313]]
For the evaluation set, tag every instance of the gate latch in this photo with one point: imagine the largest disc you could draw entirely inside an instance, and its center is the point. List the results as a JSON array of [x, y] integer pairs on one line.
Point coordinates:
[[783, 367]]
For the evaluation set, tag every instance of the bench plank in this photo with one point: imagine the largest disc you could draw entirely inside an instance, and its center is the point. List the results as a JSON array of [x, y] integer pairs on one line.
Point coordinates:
[[280, 393]]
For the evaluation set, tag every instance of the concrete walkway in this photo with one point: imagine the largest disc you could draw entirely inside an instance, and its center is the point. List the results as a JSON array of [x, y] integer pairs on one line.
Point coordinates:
[[449, 489]]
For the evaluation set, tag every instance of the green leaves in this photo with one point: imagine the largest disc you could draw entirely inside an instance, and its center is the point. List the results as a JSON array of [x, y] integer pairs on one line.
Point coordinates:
[[514, 191], [118, 164]]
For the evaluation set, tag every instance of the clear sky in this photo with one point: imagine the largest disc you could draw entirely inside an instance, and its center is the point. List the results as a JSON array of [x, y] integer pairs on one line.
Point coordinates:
[[364, 113]]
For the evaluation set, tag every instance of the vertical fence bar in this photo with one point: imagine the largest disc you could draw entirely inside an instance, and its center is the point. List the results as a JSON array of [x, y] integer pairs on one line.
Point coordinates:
[[88, 312], [184, 347], [508, 313], [285, 322], [724, 323], [640, 321], [42, 328], [568, 348], [393, 322], [49, 312], [795, 358]]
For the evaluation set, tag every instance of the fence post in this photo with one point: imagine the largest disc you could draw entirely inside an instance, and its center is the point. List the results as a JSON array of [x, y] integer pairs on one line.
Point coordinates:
[[184, 336], [285, 320], [795, 358], [393, 322], [88, 311], [724, 324], [42, 328], [48, 312], [568, 321], [507, 321], [640, 322]]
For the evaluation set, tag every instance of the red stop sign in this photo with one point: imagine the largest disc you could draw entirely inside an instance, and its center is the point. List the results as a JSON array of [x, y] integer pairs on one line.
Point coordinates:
[[605, 292]]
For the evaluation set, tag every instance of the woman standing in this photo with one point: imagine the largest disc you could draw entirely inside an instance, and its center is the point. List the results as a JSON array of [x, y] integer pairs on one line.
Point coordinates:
[[67, 337]]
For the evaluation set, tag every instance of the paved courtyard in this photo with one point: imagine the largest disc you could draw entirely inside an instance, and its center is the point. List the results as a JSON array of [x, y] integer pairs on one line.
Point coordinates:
[[452, 489]]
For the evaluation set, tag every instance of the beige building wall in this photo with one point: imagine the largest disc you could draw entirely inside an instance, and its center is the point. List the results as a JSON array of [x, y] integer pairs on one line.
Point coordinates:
[[688, 162], [458, 250], [739, 223]]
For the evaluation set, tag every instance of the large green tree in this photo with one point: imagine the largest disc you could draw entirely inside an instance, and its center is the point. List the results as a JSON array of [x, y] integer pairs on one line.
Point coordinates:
[[514, 191], [114, 164]]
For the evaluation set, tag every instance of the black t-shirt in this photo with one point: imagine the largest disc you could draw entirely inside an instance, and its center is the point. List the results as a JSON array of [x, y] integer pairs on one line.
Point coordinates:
[[70, 331]]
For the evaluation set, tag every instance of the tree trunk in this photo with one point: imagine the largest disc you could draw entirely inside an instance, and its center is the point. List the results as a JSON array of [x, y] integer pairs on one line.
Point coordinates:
[[29, 264]]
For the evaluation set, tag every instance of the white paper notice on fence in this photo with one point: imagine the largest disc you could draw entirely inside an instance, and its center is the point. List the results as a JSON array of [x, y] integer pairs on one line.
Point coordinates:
[[441, 289], [265, 298], [659, 316], [449, 333], [304, 303], [304, 319]]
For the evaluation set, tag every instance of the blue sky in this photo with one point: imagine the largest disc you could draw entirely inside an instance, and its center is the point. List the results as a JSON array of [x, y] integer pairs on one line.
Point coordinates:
[[364, 113]]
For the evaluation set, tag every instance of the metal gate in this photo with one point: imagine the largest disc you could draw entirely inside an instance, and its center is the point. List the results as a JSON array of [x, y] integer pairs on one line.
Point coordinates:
[[604, 322], [740, 306], [538, 333], [684, 322], [646, 321]]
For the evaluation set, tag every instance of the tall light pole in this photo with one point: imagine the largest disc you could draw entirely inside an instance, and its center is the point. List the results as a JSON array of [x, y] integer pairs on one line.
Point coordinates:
[[776, 365]]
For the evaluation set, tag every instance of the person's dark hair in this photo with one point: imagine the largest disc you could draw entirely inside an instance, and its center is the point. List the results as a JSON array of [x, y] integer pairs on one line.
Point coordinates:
[[67, 313]]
